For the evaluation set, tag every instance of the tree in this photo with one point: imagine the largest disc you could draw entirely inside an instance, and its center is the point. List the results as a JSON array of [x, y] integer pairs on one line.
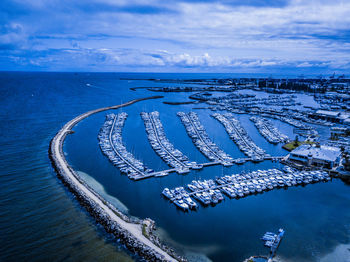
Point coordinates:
[[296, 141], [346, 163]]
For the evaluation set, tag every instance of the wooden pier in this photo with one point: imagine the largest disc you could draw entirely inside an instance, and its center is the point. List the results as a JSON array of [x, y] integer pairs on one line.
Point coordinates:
[[173, 170]]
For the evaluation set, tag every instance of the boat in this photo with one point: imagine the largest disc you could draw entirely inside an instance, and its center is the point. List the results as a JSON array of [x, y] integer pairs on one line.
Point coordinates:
[[167, 193]]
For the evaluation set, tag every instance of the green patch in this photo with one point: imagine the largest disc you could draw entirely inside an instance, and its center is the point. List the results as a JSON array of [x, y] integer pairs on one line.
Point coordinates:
[[294, 144], [144, 232]]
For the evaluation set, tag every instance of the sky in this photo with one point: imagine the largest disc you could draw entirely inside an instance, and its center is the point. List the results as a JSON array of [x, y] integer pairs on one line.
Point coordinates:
[[247, 36]]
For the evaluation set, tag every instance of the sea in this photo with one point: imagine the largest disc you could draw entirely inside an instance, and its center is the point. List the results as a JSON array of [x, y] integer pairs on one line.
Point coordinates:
[[40, 220]]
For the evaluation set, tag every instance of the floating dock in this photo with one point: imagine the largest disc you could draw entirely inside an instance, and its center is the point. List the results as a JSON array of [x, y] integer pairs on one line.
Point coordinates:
[[240, 185], [111, 144], [272, 241], [201, 140], [240, 136], [162, 146], [269, 131]]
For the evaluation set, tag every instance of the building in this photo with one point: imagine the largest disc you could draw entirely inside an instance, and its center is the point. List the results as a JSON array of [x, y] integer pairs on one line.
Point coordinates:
[[311, 155], [331, 116]]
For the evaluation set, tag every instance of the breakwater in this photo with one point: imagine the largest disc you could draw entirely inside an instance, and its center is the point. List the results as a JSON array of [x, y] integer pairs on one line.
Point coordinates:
[[136, 234]]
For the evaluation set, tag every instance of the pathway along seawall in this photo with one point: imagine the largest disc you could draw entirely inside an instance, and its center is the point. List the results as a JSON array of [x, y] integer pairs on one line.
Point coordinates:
[[135, 234]]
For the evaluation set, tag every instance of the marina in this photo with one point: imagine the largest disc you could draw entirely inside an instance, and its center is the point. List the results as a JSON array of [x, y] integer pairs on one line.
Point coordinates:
[[130, 231], [210, 192], [175, 131], [201, 140], [232, 101], [240, 136], [288, 208], [112, 145], [270, 132]]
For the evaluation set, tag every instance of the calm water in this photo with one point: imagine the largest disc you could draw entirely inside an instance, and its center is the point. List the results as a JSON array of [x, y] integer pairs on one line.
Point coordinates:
[[40, 221]]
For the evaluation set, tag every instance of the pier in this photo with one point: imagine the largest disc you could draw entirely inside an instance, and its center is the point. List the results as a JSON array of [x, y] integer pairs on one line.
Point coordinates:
[[127, 230], [111, 144], [239, 186], [201, 140], [270, 132], [240, 136], [236, 161], [300, 127], [162, 146], [272, 241]]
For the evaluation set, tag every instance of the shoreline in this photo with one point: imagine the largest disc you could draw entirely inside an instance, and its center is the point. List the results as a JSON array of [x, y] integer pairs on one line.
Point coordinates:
[[135, 234]]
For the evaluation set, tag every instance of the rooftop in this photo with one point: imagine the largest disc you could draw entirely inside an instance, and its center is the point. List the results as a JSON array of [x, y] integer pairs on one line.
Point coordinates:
[[323, 152], [328, 113]]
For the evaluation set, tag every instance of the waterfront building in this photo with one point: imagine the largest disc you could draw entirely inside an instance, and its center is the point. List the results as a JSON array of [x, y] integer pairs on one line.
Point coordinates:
[[311, 155], [331, 116]]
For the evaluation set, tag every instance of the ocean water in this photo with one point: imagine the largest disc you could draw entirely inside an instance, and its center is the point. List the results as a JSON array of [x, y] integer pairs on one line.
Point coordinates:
[[41, 221]]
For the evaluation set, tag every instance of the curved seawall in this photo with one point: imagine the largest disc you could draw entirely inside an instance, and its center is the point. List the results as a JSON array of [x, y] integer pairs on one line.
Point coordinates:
[[134, 233]]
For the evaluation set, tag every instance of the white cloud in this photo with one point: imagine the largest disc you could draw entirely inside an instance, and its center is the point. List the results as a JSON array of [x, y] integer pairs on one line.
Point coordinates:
[[203, 34]]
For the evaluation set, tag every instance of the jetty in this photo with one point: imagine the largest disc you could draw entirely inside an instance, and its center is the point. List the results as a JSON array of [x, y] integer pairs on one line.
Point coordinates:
[[269, 131], [111, 144], [240, 185], [240, 136], [130, 231], [300, 127], [162, 146], [201, 140], [272, 241]]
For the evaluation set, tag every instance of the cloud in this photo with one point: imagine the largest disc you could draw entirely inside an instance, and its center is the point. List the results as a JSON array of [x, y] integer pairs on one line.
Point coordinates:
[[208, 35], [78, 59], [12, 36], [235, 3]]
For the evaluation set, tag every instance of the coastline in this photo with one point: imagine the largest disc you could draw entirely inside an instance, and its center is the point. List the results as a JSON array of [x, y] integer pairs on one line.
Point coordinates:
[[136, 234]]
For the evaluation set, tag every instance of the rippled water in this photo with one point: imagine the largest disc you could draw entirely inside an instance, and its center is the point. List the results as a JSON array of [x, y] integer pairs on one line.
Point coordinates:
[[39, 219]]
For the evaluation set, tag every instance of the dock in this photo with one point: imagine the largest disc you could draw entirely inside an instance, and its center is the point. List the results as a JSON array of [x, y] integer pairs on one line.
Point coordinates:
[[273, 241], [162, 146], [201, 140], [269, 131], [236, 161], [111, 144], [240, 136], [240, 185]]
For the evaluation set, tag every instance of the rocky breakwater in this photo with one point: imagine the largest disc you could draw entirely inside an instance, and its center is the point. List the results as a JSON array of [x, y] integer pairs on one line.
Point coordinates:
[[135, 234]]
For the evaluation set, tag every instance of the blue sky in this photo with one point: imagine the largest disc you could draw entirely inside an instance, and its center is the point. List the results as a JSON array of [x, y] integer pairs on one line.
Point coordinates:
[[310, 36]]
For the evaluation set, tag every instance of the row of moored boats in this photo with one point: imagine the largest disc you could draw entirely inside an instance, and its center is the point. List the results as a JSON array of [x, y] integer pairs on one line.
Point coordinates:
[[240, 136], [201, 140], [269, 131], [162, 146], [111, 144], [240, 185]]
